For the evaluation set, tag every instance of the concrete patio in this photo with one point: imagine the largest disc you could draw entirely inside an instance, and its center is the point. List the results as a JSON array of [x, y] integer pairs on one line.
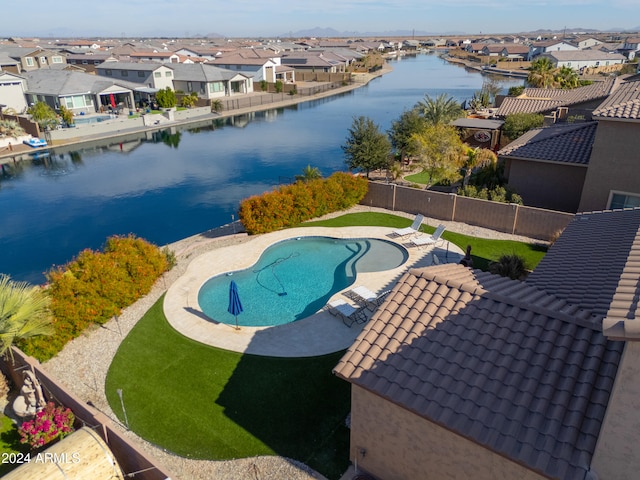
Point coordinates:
[[319, 334]]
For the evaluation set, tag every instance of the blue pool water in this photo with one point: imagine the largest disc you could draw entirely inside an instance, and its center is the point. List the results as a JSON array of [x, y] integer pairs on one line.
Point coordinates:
[[80, 119], [295, 278]]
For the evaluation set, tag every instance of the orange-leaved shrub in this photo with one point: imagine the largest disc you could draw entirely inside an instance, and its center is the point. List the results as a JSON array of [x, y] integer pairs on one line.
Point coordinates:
[[291, 205], [95, 287]]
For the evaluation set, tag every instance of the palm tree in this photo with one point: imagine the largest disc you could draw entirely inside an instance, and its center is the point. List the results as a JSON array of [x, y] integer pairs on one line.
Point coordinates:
[[24, 312], [567, 78], [477, 157], [309, 173], [439, 110], [542, 73]]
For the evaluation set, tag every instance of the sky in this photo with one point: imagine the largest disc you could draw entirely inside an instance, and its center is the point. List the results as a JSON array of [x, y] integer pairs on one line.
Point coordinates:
[[278, 18]]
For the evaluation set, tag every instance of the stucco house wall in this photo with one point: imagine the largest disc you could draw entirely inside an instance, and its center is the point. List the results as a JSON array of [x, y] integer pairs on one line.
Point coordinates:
[[553, 186], [12, 92], [616, 453], [392, 443], [614, 164]]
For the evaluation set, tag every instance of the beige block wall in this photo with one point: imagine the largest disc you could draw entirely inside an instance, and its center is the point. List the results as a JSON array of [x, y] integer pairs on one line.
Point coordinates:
[[614, 164], [399, 445], [616, 456]]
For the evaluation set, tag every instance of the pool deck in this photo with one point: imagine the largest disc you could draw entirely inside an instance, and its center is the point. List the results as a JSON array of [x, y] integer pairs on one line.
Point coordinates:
[[319, 334]]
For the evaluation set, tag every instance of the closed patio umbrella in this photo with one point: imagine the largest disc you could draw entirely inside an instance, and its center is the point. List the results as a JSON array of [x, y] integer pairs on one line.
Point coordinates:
[[112, 100], [235, 306]]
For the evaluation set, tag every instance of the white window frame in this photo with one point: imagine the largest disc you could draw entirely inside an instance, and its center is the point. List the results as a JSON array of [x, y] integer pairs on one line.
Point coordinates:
[[29, 61], [624, 194]]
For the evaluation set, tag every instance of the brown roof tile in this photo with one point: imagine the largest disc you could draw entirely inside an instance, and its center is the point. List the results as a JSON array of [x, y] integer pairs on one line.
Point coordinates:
[[560, 143], [623, 103], [542, 100], [500, 362]]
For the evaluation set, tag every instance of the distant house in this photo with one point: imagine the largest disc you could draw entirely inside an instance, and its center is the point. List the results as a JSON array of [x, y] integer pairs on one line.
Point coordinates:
[[578, 101], [587, 42], [581, 59], [538, 48], [89, 61], [12, 88], [81, 93], [464, 374], [152, 75], [261, 68], [323, 61], [33, 58], [630, 48], [209, 81], [160, 57]]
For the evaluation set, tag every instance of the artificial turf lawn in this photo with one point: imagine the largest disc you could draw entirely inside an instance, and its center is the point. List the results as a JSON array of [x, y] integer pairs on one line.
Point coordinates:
[[483, 251], [202, 402]]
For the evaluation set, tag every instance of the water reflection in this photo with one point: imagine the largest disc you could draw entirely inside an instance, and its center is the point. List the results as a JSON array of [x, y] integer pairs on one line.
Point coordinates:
[[172, 183]]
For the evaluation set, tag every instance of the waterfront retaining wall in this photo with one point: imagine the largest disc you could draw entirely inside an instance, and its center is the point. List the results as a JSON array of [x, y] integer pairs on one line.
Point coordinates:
[[510, 218]]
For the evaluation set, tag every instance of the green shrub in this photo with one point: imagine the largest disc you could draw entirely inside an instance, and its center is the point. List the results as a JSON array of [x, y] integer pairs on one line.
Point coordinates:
[[293, 204], [95, 287], [166, 98], [278, 86], [264, 85], [509, 265], [497, 194]]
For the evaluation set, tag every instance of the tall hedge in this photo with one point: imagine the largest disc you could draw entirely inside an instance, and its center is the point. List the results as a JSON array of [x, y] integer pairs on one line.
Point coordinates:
[[95, 287], [293, 204]]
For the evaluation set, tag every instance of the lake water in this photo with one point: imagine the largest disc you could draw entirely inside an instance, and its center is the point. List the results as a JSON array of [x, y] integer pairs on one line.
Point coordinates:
[[175, 183]]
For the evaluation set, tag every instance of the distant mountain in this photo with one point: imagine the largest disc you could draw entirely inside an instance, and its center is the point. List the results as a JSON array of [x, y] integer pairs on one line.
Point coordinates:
[[319, 32]]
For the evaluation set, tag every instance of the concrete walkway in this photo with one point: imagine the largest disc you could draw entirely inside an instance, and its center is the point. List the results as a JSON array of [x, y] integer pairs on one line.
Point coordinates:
[[320, 334]]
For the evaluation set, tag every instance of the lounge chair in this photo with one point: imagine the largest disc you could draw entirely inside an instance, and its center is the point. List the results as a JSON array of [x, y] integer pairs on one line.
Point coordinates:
[[414, 228], [432, 239], [348, 312], [365, 297]]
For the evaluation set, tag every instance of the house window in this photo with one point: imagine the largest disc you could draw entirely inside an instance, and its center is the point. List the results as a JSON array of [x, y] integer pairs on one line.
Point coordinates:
[[124, 73], [167, 74], [43, 60], [96, 62], [141, 74], [56, 59], [216, 87], [203, 87], [108, 72], [157, 74], [85, 62], [29, 61], [622, 200], [189, 87]]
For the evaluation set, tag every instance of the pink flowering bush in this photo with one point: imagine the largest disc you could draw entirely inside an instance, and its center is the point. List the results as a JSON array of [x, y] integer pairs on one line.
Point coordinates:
[[49, 424]]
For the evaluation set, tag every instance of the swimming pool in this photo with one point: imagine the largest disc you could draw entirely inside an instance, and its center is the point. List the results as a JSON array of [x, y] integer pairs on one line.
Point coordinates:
[[295, 278], [78, 119]]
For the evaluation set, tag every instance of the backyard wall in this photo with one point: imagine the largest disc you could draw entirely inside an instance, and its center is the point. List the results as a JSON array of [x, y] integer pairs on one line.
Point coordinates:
[[503, 217], [129, 457], [390, 442], [111, 127]]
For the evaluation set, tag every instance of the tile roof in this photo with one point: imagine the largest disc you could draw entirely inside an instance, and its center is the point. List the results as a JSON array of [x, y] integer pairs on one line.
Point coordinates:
[[623, 103], [596, 263], [63, 82], [541, 100], [521, 372], [558, 143], [586, 55]]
